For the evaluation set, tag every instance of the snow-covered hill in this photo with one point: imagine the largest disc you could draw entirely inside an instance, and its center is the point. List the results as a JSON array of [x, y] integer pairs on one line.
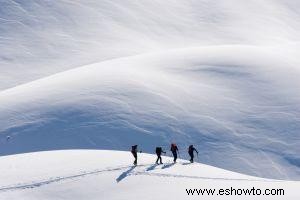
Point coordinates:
[[42, 37], [222, 75], [109, 175], [233, 112]]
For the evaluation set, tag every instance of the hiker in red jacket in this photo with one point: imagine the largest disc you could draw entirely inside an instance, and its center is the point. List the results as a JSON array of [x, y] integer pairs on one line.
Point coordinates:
[[174, 150]]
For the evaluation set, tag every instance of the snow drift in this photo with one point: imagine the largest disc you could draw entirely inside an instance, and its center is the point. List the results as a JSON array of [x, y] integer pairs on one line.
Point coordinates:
[[220, 75], [42, 37]]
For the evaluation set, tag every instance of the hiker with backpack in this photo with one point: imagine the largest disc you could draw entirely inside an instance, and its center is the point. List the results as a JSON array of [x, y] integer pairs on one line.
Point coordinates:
[[134, 151], [191, 152], [158, 152], [174, 150]]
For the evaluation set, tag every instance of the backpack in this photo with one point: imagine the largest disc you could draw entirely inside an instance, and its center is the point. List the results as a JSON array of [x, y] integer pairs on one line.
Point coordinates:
[[191, 148], [173, 147], [134, 148], [158, 150]]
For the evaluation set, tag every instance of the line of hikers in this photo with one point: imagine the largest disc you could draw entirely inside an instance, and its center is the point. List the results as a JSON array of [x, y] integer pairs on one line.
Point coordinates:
[[159, 151]]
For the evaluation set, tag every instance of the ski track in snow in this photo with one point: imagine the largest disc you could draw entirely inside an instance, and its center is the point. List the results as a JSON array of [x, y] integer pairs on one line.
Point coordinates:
[[131, 172], [56, 179]]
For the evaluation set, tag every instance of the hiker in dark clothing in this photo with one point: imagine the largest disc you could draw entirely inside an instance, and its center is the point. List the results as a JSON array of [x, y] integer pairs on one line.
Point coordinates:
[[134, 152], [158, 153], [174, 150], [191, 152]]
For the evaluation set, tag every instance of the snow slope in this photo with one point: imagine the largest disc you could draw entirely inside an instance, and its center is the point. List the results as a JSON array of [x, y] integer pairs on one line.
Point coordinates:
[[42, 37], [221, 75], [233, 112], [108, 175]]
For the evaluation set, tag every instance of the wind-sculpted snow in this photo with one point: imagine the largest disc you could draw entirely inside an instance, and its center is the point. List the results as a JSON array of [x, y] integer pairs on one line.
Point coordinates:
[[42, 37], [222, 75], [240, 110]]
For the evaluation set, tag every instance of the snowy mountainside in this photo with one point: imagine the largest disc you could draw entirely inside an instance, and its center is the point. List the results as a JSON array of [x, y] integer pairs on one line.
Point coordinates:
[[42, 37], [233, 113], [79, 174], [90, 74]]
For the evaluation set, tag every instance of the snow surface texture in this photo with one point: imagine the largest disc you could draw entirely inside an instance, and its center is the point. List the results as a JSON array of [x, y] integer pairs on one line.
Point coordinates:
[[41, 37], [223, 75], [108, 175]]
